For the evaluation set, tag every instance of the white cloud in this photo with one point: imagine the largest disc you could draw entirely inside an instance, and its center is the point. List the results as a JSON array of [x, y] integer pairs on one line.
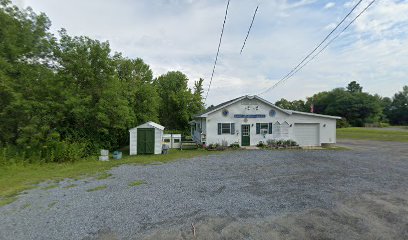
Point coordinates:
[[384, 17], [350, 4], [329, 5], [19, 3], [330, 26], [300, 3], [183, 35]]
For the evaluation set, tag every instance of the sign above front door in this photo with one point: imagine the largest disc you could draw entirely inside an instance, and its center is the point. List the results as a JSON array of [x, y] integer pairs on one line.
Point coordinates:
[[249, 116]]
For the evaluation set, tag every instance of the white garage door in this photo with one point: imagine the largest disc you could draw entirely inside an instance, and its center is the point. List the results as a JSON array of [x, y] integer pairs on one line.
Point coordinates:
[[307, 134]]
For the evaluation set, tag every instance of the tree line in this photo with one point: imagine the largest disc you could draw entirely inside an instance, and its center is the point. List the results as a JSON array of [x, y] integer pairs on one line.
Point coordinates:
[[356, 107], [62, 98]]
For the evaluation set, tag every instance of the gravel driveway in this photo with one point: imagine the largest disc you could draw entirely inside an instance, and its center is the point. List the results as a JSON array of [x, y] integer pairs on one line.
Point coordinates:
[[264, 192]]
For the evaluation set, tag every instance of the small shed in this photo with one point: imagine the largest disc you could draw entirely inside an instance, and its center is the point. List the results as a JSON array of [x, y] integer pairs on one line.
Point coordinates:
[[146, 139], [172, 140]]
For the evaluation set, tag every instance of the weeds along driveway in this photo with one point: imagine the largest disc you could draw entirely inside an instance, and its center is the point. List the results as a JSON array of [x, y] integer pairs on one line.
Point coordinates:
[[136, 201]]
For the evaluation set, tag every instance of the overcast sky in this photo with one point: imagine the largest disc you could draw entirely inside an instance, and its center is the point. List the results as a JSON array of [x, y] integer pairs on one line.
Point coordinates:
[[183, 35]]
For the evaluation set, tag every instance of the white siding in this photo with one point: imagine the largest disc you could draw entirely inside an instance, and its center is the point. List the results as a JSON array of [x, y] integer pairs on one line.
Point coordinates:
[[238, 108], [133, 142], [286, 122], [158, 134]]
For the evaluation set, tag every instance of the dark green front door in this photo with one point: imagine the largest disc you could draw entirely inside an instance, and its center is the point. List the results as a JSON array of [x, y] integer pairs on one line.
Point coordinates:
[[245, 135], [145, 141]]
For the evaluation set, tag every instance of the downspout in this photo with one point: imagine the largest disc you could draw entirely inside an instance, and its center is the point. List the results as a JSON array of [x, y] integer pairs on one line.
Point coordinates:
[[201, 132]]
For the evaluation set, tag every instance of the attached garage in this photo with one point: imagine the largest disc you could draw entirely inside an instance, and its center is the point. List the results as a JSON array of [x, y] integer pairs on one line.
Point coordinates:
[[146, 139], [307, 134], [249, 120]]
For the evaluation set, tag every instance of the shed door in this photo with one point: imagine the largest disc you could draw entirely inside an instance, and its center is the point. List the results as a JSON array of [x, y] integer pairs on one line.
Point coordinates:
[[307, 134], [145, 141]]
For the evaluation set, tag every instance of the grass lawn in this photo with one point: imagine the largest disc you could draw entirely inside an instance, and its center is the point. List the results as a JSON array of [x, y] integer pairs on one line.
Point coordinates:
[[19, 177], [372, 134], [137, 183]]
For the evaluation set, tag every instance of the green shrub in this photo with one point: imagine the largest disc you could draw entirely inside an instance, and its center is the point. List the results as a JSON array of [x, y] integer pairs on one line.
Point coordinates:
[[213, 146], [271, 143], [291, 143], [234, 146], [261, 144], [187, 138], [383, 124], [342, 123], [221, 148], [172, 132], [279, 143], [57, 152]]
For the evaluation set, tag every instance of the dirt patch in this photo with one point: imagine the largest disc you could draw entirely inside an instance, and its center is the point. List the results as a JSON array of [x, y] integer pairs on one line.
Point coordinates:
[[368, 216]]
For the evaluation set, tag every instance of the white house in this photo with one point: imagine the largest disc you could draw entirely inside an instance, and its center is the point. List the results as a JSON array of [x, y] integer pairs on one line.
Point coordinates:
[[146, 139], [247, 120]]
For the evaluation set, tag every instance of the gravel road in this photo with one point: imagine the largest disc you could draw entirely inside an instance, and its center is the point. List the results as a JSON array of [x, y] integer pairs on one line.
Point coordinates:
[[218, 192]]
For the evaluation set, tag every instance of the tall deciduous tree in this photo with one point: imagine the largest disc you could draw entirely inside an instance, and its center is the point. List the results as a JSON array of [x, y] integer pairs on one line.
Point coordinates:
[[142, 97], [55, 94], [25, 50], [356, 107], [197, 103], [354, 87], [175, 98], [95, 107], [297, 105], [398, 111]]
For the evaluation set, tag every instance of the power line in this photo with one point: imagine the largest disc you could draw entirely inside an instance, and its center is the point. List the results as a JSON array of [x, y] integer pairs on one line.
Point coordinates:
[[250, 26], [314, 50], [332, 40], [218, 50]]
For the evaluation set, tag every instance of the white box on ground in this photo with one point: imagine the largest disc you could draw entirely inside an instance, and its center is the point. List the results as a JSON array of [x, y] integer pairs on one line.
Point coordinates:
[[103, 158], [104, 152]]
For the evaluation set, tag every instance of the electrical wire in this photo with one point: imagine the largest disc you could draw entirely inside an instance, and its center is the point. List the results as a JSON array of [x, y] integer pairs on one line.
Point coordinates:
[[314, 50], [218, 51], [250, 26], [332, 40]]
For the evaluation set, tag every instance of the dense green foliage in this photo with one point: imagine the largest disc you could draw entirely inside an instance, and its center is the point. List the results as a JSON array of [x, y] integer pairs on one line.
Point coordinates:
[[297, 105], [397, 110], [355, 106], [62, 98], [177, 102], [65, 97]]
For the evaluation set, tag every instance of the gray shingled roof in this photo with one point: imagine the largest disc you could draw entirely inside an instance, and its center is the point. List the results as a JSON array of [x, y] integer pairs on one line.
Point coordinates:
[[219, 106]]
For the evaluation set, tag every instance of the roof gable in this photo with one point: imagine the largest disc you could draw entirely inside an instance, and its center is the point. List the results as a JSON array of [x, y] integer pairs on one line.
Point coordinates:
[[149, 124], [228, 103], [289, 112], [219, 106]]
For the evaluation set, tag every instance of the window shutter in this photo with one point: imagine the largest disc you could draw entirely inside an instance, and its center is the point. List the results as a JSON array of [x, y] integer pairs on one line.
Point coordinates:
[[258, 128], [219, 128], [232, 128], [270, 128]]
